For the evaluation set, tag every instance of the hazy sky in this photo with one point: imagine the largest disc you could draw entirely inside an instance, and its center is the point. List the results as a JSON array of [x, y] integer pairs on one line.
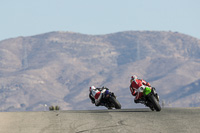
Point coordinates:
[[31, 17]]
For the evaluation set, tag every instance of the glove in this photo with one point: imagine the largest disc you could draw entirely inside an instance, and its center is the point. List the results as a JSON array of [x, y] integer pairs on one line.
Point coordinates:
[[134, 94], [148, 84]]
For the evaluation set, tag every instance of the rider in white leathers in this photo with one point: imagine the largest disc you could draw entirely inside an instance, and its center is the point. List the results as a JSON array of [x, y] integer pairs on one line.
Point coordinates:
[[95, 95]]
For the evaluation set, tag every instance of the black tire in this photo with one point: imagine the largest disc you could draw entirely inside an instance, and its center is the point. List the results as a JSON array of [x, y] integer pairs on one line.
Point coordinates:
[[155, 103], [115, 102]]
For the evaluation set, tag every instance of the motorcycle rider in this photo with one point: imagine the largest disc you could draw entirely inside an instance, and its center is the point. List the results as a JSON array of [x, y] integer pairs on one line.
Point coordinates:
[[135, 84], [95, 95]]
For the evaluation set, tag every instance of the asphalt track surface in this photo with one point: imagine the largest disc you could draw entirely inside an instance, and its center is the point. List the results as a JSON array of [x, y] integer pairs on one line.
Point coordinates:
[[168, 120]]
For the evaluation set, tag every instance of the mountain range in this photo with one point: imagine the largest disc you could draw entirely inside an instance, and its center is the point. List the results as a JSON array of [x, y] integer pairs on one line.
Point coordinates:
[[57, 68]]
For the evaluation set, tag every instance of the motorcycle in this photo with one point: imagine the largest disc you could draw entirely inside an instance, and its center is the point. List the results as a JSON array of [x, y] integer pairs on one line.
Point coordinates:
[[109, 99], [150, 98]]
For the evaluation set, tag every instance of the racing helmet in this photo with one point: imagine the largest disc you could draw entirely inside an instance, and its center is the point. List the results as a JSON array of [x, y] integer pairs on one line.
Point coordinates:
[[133, 78], [92, 88]]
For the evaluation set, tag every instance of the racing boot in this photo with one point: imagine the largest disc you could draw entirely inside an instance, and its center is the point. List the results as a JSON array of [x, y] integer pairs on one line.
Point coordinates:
[[141, 100]]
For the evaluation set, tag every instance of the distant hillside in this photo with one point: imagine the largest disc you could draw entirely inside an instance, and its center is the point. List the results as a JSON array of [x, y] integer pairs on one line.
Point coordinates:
[[57, 68]]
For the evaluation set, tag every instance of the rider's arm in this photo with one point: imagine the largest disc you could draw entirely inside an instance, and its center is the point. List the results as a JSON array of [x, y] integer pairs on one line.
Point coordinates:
[[105, 88], [99, 89], [146, 83], [132, 91], [91, 98]]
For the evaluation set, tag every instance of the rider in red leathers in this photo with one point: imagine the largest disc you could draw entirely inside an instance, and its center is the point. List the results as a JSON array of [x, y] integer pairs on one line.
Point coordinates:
[[135, 84]]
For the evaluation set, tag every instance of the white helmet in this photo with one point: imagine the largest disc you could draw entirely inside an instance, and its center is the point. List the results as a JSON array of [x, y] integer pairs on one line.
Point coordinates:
[[92, 88], [133, 78]]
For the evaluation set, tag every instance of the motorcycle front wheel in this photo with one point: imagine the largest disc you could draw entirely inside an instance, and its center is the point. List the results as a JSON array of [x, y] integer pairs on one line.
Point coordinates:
[[155, 103], [115, 102]]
